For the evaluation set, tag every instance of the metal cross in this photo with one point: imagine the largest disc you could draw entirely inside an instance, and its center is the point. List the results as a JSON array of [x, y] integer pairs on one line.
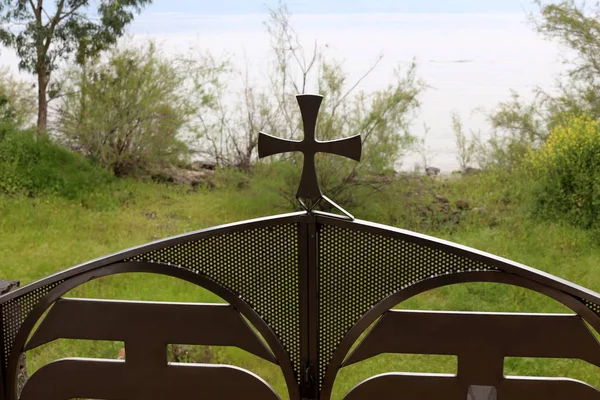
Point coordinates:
[[309, 108]]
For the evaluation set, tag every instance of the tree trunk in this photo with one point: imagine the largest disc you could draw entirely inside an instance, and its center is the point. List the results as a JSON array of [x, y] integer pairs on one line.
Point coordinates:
[[43, 78]]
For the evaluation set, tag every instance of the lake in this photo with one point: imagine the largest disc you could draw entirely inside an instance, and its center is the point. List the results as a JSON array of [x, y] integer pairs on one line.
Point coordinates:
[[470, 61]]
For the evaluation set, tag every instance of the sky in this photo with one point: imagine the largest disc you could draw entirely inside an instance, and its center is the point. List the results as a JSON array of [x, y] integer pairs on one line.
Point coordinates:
[[343, 6], [471, 53]]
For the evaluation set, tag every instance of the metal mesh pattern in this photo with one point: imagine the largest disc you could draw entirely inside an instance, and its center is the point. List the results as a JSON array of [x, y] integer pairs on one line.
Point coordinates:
[[260, 265], [591, 305], [14, 312], [359, 269]]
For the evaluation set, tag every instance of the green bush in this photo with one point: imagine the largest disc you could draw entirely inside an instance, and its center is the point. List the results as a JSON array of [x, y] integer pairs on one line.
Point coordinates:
[[5, 128], [566, 173], [32, 164], [129, 112], [383, 118], [17, 101]]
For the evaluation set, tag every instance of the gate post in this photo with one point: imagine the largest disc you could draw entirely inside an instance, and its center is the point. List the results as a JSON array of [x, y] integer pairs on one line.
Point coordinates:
[[309, 308], [5, 287]]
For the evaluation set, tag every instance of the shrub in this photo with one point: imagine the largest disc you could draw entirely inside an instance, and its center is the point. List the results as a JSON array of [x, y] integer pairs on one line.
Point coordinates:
[[566, 172], [32, 164], [128, 113], [383, 117], [17, 102]]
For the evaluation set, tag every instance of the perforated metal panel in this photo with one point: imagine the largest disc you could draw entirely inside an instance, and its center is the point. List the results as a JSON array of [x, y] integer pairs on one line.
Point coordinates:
[[356, 266], [14, 313], [358, 269], [595, 307], [259, 265]]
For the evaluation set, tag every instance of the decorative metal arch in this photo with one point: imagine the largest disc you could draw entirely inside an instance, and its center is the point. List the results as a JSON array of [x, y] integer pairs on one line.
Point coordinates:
[[311, 283]]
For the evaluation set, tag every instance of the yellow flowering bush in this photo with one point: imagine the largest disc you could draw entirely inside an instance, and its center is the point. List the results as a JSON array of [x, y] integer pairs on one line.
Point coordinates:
[[566, 172]]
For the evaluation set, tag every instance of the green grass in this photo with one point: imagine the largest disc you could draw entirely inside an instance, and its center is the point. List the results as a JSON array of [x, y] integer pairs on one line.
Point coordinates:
[[46, 234]]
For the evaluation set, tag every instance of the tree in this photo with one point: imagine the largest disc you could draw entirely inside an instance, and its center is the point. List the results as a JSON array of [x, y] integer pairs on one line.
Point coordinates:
[[382, 117], [44, 34], [576, 26], [519, 124], [129, 113], [17, 103], [464, 145], [565, 173]]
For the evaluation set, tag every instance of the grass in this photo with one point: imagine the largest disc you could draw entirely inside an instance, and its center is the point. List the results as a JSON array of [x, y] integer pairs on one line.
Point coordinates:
[[46, 234]]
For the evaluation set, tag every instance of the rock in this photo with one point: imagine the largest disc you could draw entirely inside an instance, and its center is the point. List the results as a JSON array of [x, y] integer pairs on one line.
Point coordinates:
[[477, 392], [181, 353], [183, 176], [441, 199], [8, 286], [471, 171], [202, 165], [432, 171], [150, 214], [375, 179], [23, 375], [462, 204], [478, 209], [423, 211], [455, 217]]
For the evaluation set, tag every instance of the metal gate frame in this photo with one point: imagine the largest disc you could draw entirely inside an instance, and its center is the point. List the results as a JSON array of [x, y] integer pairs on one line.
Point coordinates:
[[348, 275], [311, 284]]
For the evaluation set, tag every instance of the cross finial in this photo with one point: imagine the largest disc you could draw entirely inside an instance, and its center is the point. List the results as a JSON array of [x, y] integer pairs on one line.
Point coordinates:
[[309, 185]]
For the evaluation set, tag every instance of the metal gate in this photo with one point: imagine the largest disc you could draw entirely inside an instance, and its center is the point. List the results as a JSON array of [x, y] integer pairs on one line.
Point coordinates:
[[312, 285]]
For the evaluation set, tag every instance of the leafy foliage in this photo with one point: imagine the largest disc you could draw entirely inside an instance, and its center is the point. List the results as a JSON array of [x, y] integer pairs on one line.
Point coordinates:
[[32, 164], [17, 105], [567, 172], [382, 117], [129, 112], [465, 146], [45, 34], [575, 25], [520, 125]]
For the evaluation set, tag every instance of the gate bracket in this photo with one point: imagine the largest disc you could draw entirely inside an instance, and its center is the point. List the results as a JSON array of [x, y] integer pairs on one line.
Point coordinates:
[[308, 388]]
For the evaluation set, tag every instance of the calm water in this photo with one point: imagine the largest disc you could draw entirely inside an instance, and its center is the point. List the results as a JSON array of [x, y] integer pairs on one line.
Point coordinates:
[[470, 61]]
